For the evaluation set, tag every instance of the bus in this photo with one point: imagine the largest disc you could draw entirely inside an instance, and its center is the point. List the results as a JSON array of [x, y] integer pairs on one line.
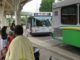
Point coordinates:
[[39, 23], [66, 22]]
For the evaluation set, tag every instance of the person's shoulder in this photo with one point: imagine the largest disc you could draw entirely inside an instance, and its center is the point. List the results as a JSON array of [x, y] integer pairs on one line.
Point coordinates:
[[20, 38], [14, 42]]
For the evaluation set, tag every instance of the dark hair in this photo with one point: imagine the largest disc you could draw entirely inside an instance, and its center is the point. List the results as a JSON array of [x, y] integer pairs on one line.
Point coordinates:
[[18, 30], [12, 26], [3, 32]]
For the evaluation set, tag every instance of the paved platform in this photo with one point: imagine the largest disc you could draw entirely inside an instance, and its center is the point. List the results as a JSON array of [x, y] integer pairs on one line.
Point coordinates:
[[59, 53], [51, 47]]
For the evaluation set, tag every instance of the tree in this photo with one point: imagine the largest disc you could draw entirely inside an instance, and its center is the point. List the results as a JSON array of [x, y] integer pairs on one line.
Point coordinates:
[[23, 19], [9, 21], [46, 6]]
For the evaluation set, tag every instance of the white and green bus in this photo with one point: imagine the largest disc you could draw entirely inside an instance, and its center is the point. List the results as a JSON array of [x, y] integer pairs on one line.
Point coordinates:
[[66, 21]]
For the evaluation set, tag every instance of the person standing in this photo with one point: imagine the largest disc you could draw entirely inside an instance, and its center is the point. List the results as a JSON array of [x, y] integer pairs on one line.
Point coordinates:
[[3, 41], [1, 48], [20, 47], [4, 35], [12, 26]]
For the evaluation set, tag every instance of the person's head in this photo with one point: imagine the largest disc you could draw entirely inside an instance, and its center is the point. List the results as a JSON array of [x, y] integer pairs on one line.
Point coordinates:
[[3, 30], [18, 30]]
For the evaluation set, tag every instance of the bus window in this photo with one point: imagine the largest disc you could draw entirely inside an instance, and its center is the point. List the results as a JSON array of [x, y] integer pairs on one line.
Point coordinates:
[[39, 23], [69, 15], [43, 22], [29, 22], [46, 22], [79, 13], [33, 22]]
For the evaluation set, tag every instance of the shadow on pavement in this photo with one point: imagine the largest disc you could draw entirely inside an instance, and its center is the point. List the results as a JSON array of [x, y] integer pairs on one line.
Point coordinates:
[[72, 49]]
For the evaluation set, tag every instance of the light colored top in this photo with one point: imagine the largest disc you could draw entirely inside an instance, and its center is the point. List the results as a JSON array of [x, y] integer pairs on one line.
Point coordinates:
[[20, 49], [1, 44]]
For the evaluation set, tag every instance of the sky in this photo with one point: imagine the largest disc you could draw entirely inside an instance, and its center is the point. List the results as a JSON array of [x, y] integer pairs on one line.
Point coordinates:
[[32, 6]]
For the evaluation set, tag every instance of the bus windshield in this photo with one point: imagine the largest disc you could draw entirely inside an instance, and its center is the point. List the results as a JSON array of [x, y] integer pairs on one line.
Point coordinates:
[[42, 22]]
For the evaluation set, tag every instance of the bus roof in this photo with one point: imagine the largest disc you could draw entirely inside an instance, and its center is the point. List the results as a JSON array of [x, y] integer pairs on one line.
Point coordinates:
[[42, 14], [65, 3]]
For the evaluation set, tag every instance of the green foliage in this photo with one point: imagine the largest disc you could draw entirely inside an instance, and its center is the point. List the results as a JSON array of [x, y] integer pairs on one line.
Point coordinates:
[[24, 13], [46, 6], [23, 19], [9, 21]]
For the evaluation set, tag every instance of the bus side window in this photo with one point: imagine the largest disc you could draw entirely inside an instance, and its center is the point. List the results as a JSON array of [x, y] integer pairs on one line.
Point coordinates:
[[33, 22], [28, 23]]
